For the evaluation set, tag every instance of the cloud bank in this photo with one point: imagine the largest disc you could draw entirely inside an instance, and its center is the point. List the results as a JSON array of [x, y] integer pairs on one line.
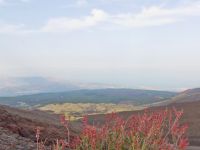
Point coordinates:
[[67, 24], [146, 17]]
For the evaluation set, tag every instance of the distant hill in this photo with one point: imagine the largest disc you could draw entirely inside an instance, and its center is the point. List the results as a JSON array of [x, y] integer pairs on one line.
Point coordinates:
[[16, 86], [32, 85], [190, 95], [133, 96]]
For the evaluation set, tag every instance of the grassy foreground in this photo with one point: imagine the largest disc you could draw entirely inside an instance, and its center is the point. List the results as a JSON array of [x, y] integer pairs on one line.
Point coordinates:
[[159, 130]]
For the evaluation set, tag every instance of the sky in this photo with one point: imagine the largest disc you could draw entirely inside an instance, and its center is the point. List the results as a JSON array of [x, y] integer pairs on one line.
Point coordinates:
[[151, 44]]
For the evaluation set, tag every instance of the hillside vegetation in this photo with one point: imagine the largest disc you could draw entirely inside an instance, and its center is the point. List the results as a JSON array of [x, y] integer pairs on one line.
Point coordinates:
[[77, 110], [159, 130], [190, 95], [136, 97]]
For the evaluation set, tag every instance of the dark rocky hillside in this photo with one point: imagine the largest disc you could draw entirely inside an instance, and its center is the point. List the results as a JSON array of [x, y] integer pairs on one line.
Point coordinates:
[[17, 128], [13, 141]]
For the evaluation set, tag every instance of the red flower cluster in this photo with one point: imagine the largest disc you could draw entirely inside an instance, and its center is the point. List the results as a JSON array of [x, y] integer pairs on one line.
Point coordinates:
[[159, 130]]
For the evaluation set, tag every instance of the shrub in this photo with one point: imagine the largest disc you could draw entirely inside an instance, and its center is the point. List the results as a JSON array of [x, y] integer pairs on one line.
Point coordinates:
[[158, 130]]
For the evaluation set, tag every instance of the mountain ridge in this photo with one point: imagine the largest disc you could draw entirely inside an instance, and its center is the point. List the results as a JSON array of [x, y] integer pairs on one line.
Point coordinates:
[[135, 96]]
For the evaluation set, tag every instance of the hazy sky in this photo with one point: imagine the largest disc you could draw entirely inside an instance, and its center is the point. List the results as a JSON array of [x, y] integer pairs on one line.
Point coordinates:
[[135, 43]]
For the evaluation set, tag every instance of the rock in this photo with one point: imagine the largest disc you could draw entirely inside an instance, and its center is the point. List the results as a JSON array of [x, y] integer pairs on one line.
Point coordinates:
[[12, 141]]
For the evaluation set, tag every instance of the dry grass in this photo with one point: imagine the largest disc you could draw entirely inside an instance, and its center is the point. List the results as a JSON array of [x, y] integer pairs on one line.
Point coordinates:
[[77, 110]]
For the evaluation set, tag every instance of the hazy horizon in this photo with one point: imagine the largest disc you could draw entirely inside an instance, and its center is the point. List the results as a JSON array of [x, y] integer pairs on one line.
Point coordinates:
[[138, 44]]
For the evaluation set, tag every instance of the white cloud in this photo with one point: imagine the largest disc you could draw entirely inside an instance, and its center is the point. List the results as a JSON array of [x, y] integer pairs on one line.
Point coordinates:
[[67, 24], [156, 15], [149, 16]]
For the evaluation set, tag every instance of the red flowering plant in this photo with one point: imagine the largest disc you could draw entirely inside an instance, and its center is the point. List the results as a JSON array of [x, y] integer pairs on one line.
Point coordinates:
[[158, 130]]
